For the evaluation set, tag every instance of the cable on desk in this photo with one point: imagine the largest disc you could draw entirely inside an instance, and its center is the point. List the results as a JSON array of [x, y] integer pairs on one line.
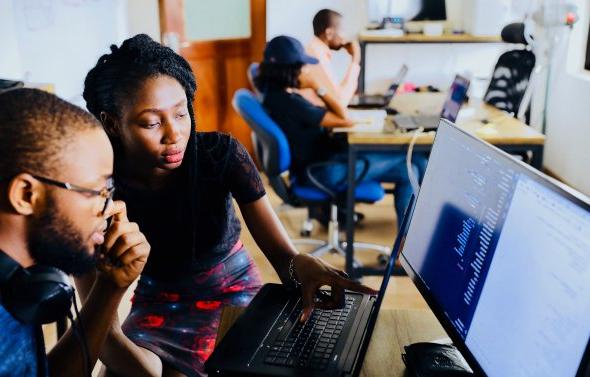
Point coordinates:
[[413, 179]]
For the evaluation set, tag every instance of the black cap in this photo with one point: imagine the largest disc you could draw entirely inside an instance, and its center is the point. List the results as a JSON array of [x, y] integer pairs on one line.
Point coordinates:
[[286, 50]]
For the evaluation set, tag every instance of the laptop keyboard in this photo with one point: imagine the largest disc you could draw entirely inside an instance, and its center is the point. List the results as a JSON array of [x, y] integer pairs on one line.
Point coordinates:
[[309, 344]]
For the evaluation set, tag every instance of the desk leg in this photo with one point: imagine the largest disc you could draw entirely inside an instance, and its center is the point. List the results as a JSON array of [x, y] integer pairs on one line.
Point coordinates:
[[361, 88], [350, 211], [537, 158], [62, 327]]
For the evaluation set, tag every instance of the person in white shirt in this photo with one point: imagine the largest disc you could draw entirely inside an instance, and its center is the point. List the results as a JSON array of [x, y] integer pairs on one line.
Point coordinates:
[[327, 29]]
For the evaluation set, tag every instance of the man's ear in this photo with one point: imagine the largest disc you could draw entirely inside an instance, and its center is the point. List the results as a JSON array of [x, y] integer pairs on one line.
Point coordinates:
[[24, 194], [110, 124], [329, 33]]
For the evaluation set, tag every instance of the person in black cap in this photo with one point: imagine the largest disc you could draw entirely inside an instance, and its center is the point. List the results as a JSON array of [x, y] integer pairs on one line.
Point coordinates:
[[283, 71]]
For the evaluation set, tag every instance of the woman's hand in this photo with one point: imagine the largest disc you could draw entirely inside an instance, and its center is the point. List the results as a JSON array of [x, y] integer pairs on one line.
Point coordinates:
[[314, 273]]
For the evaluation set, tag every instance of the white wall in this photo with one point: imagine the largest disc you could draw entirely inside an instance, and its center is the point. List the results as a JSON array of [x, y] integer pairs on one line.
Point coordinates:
[[567, 149], [57, 42], [10, 63], [143, 17]]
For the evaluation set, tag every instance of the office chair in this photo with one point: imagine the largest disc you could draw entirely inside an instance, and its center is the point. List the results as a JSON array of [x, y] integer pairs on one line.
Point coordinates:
[[273, 153], [252, 73], [512, 72]]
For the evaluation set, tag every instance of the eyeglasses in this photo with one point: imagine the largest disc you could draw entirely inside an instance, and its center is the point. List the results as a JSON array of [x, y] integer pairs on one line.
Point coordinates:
[[106, 192]]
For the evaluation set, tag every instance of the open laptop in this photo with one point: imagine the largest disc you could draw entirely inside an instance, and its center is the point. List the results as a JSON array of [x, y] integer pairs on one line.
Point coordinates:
[[455, 98], [378, 101], [501, 253], [268, 340]]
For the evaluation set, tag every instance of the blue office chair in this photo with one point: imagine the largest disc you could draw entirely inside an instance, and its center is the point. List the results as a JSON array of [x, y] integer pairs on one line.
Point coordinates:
[[252, 73], [272, 152]]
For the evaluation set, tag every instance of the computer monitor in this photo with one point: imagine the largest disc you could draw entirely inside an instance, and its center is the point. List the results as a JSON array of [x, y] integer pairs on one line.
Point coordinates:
[[432, 10], [409, 10], [501, 254], [455, 98]]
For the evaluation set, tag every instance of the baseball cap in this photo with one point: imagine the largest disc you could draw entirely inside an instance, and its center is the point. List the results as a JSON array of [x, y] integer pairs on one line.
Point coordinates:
[[286, 50]]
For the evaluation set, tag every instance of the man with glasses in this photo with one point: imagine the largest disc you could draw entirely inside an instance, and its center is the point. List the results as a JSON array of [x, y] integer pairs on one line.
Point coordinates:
[[56, 194]]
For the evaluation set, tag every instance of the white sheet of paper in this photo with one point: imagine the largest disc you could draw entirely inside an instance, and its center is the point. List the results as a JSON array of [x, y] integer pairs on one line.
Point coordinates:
[[365, 121]]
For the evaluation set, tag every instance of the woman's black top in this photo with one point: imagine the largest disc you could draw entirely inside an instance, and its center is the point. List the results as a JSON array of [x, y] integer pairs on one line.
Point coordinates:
[[224, 171]]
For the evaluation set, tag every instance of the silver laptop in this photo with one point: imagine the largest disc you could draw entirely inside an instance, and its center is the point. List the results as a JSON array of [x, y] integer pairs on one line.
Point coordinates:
[[455, 98]]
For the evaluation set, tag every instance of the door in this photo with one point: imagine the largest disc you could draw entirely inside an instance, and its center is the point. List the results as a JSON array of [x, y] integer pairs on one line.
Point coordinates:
[[219, 39]]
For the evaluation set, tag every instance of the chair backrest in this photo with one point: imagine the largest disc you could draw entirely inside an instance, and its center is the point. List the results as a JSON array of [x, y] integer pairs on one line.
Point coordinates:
[[516, 33], [512, 72], [270, 143], [510, 80], [276, 156], [252, 73]]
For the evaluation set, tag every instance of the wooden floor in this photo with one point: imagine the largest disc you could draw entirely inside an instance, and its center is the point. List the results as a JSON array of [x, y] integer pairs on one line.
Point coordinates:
[[379, 226]]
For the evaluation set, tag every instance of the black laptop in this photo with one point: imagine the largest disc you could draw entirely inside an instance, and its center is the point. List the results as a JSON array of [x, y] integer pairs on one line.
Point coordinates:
[[269, 340], [377, 101]]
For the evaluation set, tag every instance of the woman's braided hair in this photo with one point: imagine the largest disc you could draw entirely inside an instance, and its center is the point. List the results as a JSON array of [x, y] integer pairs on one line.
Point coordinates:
[[116, 78]]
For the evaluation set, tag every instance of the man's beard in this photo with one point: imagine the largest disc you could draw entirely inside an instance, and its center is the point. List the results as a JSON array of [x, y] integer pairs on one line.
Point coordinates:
[[53, 241]]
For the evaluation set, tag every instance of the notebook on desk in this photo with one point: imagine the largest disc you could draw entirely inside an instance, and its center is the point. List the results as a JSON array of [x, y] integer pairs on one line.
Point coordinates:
[[364, 121]]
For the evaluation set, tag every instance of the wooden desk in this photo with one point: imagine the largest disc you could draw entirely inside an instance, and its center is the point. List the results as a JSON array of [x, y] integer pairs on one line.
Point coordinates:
[[366, 38], [394, 330], [482, 120]]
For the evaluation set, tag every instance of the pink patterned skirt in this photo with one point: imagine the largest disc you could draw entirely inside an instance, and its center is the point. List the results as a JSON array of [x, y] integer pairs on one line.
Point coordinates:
[[178, 321]]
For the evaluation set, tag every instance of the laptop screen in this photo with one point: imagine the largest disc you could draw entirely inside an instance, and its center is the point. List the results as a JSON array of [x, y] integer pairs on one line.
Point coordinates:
[[502, 255], [455, 98], [397, 81]]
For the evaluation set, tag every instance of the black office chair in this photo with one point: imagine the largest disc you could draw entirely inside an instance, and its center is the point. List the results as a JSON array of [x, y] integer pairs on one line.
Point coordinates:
[[512, 72], [273, 153]]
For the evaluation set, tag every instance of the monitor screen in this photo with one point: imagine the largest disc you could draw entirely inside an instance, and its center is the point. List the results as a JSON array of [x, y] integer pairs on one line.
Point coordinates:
[[455, 98], [409, 10], [502, 256], [431, 10]]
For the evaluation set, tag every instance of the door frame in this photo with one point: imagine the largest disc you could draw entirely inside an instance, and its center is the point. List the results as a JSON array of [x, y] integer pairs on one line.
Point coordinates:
[[172, 20]]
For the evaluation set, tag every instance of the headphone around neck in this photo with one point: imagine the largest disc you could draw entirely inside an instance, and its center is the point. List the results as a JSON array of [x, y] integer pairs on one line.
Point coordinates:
[[34, 295]]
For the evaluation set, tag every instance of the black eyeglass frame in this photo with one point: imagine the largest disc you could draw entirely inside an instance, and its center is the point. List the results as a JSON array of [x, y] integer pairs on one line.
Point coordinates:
[[106, 192]]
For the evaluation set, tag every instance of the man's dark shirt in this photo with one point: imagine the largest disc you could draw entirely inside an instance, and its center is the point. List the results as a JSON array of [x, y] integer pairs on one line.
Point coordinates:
[[300, 120]]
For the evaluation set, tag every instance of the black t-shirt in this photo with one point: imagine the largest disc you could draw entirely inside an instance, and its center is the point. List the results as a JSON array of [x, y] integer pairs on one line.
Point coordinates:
[[300, 121], [224, 170]]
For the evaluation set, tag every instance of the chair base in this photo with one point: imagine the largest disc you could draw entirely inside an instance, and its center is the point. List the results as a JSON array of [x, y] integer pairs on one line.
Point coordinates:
[[336, 246]]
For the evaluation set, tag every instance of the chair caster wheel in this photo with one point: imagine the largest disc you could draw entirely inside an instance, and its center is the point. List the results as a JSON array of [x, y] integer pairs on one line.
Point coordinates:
[[305, 233], [383, 259]]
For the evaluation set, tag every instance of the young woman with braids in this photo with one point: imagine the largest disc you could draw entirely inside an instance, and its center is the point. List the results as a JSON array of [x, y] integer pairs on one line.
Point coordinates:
[[178, 185]]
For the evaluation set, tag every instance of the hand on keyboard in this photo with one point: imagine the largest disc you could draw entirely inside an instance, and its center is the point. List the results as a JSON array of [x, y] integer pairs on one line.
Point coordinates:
[[314, 273]]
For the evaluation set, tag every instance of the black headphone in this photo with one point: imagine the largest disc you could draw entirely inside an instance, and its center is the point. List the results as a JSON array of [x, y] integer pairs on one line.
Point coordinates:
[[34, 295]]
